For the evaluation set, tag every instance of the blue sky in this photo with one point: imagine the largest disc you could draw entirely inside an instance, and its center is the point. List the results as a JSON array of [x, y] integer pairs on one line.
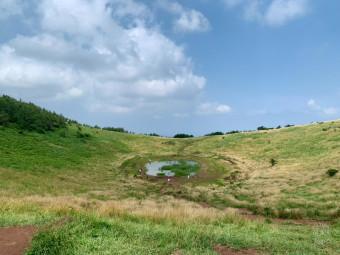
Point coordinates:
[[174, 66]]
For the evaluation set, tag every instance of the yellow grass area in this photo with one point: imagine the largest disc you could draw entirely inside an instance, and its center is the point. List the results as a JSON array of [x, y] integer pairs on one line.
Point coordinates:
[[166, 209]]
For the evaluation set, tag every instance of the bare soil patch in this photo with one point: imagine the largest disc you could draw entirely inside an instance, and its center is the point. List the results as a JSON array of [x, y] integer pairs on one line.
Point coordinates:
[[224, 250], [15, 240]]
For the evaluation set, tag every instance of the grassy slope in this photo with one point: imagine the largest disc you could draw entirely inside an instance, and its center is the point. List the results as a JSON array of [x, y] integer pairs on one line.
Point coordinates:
[[299, 180], [70, 175]]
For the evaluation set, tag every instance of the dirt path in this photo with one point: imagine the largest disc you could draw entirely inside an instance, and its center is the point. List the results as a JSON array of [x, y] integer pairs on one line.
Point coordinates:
[[15, 240]]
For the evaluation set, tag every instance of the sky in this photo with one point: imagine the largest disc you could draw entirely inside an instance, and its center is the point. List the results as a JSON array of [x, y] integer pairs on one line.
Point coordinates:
[[192, 66]]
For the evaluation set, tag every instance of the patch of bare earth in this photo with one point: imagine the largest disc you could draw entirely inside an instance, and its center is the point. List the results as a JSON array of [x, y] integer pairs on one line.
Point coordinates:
[[224, 250], [15, 240]]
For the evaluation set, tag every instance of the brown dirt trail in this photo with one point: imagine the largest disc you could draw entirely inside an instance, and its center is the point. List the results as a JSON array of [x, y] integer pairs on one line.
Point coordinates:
[[15, 240]]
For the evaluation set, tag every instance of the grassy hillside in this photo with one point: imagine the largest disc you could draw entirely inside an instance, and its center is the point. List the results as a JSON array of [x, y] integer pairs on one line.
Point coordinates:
[[91, 178], [28, 116]]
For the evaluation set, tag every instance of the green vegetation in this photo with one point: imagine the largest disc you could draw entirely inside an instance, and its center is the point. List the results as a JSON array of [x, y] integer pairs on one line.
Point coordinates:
[[153, 134], [232, 132], [332, 172], [215, 133], [121, 130], [273, 162], [27, 116], [183, 136], [182, 168], [92, 178], [131, 235]]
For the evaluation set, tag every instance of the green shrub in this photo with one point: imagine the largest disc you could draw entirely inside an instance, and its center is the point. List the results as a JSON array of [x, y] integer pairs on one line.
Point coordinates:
[[52, 242], [232, 132], [153, 134], [183, 136], [83, 135], [263, 128], [273, 162], [215, 133], [114, 129], [332, 172]]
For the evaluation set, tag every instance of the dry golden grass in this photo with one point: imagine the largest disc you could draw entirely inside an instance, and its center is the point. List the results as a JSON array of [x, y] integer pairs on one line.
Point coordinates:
[[166, 209]]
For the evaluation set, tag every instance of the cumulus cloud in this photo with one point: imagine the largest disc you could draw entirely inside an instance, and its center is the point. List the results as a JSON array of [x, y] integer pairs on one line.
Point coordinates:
[[187, 20], [273, 12], [280, 12], [107, 54], [313, 105], [213, 108], [192, 21]]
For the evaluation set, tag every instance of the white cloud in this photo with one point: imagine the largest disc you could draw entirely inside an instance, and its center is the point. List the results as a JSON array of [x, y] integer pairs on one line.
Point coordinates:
[[281, 11], [110, 108], [187, 20], [330, 111], [272, 13], [10, 8], [313, 105], [192, 21], [108, 56], [213, 108]]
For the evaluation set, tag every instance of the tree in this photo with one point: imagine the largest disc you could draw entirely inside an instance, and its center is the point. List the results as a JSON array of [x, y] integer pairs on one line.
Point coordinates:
[[119, 129], [27, 116], [263, 128], [215, 133], [183, 136]]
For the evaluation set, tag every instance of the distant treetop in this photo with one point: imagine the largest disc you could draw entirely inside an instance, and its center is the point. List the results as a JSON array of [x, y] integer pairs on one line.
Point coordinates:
[[183, 136], [116, 129], [215, 133]]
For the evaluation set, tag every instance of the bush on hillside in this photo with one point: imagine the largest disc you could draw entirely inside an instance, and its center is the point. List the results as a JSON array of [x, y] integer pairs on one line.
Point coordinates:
[[273, 162], [153, 134], [332, 172], [114, 129], [28, 116], [214, 133], [263, 128], [183, 136], [80, 134], [232, 132]]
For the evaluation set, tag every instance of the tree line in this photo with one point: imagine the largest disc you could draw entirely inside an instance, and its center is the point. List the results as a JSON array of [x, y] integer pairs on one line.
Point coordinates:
[[27, 116]]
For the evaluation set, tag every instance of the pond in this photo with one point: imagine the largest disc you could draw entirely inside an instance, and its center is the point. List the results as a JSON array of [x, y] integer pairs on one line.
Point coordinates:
[[173, 168]]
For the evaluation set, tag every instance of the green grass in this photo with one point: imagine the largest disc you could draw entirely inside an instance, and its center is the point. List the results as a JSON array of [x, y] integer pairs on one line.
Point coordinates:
[[129, 235], [182, 168], [79, 174]]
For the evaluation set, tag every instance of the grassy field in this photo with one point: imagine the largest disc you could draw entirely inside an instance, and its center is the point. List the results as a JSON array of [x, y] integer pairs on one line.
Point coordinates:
[[92, 184]]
